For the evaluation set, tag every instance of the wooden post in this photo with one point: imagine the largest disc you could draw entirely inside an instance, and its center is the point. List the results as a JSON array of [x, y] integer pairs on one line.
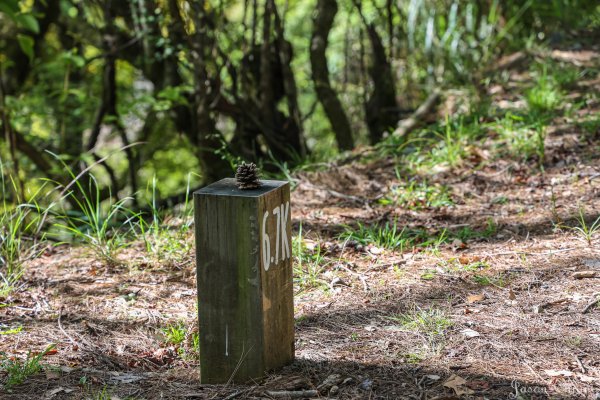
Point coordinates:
[[244, 271]]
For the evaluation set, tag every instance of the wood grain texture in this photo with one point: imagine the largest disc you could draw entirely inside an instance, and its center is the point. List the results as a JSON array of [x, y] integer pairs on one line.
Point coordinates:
[[245, 312]]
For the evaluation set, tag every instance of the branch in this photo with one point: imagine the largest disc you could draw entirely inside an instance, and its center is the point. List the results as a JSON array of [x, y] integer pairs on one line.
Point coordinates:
[[411, 123]]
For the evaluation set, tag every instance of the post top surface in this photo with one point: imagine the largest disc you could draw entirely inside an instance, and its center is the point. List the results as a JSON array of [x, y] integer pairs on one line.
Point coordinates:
[[228, 187]]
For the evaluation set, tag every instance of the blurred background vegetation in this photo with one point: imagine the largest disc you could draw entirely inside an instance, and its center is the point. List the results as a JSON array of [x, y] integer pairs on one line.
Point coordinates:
[[119, 94], [131, 90]]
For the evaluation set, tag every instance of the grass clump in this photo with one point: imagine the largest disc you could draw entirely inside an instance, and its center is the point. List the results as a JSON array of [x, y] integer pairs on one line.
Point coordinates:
[[586, 231], [18, 371], [522, 139], [166, 240], [309, 264], [20, 237], [545, 96], [429, 321], [388, 236], [431, 324], [174, 334], [98, 226], [418, 195], [187, 345]]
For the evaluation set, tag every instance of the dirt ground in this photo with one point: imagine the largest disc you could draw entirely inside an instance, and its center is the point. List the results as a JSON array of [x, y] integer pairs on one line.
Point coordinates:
[[519, 302]]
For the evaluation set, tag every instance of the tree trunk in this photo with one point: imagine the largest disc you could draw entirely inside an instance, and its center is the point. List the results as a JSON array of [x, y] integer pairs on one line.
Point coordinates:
[[323, 21], [381, 108]]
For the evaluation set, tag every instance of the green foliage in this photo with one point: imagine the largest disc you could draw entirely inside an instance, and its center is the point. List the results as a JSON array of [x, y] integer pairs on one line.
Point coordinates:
[[485, 280], [99, 226], [521, 138], [11, 331], [388, 236], [418, 195], [545, 96], [20, 236], [19, 370], [103, 394], [167, 241], [586, 231], [175, 334], [428, 321], [308, 264]]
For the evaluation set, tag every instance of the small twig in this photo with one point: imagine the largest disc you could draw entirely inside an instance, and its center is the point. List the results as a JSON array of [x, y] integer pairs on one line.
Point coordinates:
[[592, 304], [581, 367], [237, 394], [544, 253], [65, 332], [299, 394], [361, 277], [408, 125]]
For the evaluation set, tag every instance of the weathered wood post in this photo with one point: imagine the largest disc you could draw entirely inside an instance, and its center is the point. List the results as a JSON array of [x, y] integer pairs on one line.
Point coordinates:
[[244, 272]]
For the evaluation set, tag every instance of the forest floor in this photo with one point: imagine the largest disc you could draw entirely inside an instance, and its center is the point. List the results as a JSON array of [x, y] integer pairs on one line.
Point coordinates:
[[484, 290]]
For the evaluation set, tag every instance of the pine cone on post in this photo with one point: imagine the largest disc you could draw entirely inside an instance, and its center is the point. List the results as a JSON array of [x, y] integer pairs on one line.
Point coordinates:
[[247, 176]]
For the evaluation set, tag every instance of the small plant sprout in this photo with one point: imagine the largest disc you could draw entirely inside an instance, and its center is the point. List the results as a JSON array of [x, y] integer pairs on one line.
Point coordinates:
[[585, 231], [175, 334]]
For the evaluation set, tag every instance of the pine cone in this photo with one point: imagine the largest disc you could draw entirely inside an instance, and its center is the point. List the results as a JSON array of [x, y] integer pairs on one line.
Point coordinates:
[[246, 176]]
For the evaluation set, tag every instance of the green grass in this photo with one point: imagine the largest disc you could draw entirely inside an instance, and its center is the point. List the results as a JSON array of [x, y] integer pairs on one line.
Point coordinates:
[[308, 264], [428, 321], [175, 334], [418, 195], [20, 234], [165, 243], [486, 280], [545, 96], [100, 227], [390, 236], [103, 394], [586, 231], [188, 346], [521, 138], [455, 265], [12, 331], [451, 147], [18, 371]]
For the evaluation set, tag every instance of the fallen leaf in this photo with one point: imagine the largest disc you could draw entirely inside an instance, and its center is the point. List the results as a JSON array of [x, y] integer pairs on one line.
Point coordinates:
[[456, 383], [474, 298], [478, 385], [470, 333], [464, 260], [458, 244]]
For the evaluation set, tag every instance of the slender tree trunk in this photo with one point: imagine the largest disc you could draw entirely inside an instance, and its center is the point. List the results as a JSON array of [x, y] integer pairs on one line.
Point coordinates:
[[323, 21], [381, 108], [295, 136]]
